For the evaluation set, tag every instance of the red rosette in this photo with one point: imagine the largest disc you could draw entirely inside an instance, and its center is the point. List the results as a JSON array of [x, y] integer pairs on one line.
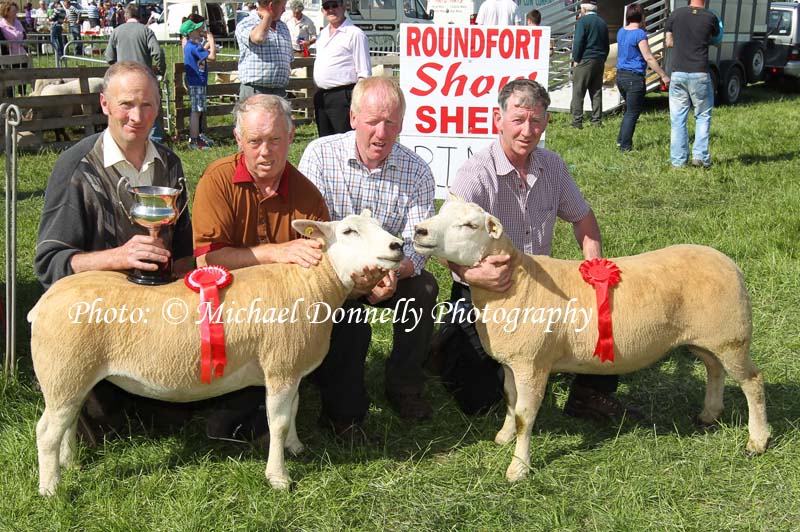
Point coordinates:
[[207, 280], [602, 274]]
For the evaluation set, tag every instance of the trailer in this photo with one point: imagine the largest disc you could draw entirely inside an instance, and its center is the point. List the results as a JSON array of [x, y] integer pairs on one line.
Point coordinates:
[[737, 61]]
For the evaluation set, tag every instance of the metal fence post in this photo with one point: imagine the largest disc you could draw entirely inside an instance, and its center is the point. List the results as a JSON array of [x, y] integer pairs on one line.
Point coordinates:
[[10, 114]]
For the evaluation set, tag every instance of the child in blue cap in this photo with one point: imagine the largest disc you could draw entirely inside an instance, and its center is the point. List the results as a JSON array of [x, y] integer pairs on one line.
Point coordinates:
[[195, 55]]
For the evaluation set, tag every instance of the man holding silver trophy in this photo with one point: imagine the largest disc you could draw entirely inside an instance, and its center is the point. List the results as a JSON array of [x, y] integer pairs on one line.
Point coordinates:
[[86, 224]]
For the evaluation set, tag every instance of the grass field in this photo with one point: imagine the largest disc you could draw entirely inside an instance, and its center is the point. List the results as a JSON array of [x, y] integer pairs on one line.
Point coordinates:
[[447, 474]]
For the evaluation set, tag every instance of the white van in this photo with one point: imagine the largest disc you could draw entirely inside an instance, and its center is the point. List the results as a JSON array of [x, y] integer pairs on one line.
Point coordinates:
[[220, 17]]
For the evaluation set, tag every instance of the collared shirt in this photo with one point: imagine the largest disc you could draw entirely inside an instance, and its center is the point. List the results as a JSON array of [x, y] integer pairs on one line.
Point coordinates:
[[399, 193], [300, 30], [73, 15], [113, 156], [267, 64], [527, 209], [342, 58], [229, 209]]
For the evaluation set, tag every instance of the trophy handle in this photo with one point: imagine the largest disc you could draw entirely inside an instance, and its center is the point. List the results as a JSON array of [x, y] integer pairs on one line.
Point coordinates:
[[182, 185], [119, 198]]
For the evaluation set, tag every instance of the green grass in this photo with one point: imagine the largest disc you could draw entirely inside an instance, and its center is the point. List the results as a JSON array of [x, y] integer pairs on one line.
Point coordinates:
[[447, 474]]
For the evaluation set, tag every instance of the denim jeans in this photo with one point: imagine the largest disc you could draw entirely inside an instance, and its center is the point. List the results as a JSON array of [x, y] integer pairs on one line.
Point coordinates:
[[631, 87], [685, 89], [75, 33], [57, 38]]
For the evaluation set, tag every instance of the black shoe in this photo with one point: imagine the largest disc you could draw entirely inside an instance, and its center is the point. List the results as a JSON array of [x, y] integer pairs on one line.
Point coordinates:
[[697, 163], [598, 406], [237, 427], [352, 433], [576, 126], [410, 406]]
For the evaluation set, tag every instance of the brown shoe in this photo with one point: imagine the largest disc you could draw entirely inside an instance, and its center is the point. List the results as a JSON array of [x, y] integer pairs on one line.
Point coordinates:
[[601, 407], [412, 407]]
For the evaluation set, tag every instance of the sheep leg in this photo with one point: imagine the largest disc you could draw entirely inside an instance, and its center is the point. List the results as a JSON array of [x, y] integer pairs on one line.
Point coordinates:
[[50, 432], [293, 443], [279, 412], [67, 453], [715, 386], [509, 429], [744, 372], [530, 391]]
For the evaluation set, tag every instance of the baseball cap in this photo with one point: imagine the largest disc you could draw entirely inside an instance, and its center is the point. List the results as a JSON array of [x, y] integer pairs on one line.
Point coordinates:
[[188, 26]]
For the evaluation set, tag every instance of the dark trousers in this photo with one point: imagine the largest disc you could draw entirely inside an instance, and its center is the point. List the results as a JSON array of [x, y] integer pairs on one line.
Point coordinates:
[[632, 88], [587, 75], [57, 39], [75, 33], [469, 373], [332, 110]]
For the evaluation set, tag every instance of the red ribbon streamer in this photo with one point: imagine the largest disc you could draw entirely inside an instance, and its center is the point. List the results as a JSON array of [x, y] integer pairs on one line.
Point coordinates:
[[207, 280], [602, 274]]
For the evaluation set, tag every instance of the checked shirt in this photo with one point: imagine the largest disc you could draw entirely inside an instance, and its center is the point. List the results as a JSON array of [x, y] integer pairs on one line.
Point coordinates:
[[266, 64], [399, 193]]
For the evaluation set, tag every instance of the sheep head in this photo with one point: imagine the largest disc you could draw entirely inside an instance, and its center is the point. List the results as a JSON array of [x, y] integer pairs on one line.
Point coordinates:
[[353, 243], [462, 233]]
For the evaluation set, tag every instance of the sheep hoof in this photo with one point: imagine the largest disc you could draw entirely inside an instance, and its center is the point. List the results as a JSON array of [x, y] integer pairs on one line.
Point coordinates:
[[705, 425], [280, 482], [754, 449], [47, 491], [503, 438], [516, 471]]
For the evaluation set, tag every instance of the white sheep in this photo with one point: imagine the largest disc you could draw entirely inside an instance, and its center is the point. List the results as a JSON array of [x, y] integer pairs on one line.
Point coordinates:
[[63, 87], [133, 336], [686, 295]]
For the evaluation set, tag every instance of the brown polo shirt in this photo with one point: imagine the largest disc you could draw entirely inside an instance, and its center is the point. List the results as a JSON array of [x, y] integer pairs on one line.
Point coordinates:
[[229, 209]]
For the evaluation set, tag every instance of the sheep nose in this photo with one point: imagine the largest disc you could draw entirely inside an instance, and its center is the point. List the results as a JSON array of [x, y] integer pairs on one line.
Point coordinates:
[[420, 231], [395, 246]]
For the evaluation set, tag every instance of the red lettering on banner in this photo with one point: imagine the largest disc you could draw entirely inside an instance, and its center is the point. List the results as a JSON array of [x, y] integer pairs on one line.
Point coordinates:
[[425, 78], [455, 84], [455, 120], [472, 42]]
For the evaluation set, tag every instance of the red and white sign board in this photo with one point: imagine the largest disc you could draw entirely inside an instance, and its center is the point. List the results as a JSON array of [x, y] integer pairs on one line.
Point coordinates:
[[451, 76]]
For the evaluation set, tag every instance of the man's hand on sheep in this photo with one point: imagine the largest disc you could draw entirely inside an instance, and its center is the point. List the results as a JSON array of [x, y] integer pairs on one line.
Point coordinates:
[[366, 281], [305, 252], [385, 288], [493, 273], [140, 252]]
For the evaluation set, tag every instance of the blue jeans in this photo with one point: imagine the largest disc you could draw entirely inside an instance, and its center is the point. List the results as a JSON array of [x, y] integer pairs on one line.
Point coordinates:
[[685, 89], [57, 38], [75, 33], [631, 87]]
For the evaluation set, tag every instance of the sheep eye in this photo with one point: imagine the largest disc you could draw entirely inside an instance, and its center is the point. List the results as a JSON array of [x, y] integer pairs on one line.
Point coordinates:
[[470, 226], [349, 231]]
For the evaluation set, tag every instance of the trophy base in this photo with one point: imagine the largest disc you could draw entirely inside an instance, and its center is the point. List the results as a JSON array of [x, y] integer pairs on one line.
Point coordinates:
[[148, 278]]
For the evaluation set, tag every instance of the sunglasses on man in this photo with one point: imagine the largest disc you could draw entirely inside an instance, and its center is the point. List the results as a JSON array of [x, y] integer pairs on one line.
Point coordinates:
[[327, 6]]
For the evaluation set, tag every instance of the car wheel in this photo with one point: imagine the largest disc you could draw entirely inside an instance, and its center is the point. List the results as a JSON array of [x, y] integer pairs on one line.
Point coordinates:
[[732, 85], [754, 61]]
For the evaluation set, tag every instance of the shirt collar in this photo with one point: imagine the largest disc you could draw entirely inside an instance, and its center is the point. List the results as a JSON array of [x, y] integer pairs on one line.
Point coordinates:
[[242, 175], [113, 155], [355, 159], [504, 167]]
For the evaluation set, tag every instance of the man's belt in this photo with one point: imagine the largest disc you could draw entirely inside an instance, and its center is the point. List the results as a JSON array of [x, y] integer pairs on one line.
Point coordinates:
[[339, 88]]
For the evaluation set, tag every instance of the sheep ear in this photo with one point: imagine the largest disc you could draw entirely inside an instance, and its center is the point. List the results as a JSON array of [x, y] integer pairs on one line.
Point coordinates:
[[453, 197], [493, 226], [313, 229]]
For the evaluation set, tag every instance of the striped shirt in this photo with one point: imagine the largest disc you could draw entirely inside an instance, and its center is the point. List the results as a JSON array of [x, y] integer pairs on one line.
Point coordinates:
[[73, 15], [399, 193], [266, 64], [527, 209]]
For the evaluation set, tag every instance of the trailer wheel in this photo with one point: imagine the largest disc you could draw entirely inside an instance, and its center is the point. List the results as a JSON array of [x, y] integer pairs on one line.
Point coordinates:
[[753, 60], [732, 84]]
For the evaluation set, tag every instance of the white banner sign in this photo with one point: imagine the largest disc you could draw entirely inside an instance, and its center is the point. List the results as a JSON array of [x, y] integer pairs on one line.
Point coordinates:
[[451, 76]]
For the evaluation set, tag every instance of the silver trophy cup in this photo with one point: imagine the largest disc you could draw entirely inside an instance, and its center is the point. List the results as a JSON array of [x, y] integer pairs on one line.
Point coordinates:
[[153, 208]]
